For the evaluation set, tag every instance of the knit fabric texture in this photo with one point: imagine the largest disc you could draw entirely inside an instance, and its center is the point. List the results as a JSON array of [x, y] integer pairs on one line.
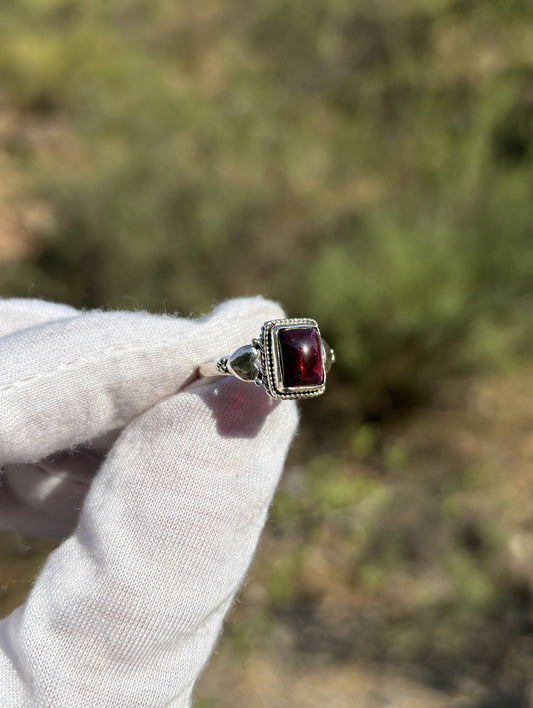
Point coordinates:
[[159, 483]]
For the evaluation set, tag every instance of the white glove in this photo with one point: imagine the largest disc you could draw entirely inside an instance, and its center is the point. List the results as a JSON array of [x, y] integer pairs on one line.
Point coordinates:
[[127, 609]]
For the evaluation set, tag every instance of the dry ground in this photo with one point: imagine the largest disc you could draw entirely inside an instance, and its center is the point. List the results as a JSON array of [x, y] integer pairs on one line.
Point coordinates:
[[328, 658]]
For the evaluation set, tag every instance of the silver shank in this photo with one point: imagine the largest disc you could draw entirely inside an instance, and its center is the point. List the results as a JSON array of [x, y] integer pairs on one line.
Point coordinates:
[[214, 368]]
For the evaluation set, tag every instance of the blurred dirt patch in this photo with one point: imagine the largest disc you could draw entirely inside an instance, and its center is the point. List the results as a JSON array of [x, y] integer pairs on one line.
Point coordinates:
[[25, 140], [394, 571], [265, 682], [398, 572], [15, 241]]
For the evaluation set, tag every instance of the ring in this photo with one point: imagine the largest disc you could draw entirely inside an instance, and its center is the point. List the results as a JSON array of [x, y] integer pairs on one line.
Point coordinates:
[[289, 359]]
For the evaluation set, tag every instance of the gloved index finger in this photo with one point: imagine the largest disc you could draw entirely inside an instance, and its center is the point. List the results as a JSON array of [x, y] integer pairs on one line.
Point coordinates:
[[17, 313], [66, 382]]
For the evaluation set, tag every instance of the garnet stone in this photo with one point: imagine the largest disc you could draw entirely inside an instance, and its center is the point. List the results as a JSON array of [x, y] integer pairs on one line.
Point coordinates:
[[300, 357]]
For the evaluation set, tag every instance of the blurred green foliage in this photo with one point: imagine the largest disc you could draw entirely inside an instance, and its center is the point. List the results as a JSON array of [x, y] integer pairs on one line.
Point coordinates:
[[367, 163]]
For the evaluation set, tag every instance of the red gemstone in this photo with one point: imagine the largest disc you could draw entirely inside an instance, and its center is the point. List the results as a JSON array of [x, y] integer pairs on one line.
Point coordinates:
[[300, 357]]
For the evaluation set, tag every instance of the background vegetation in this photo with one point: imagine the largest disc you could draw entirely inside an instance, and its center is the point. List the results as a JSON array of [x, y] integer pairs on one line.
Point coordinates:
[[366, 163]]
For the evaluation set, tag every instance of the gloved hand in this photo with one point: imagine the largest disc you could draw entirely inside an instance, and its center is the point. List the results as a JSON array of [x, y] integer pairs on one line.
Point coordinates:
[[126, 611]]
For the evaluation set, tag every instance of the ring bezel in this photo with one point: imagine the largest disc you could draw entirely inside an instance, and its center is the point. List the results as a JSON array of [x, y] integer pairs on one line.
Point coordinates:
[[271, 364]]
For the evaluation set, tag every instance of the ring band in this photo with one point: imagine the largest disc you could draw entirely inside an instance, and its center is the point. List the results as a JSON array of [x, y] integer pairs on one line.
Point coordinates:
[[289, 359]]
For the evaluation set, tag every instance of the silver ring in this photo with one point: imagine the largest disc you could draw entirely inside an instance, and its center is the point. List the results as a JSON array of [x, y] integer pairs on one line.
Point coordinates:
[[289, 359]]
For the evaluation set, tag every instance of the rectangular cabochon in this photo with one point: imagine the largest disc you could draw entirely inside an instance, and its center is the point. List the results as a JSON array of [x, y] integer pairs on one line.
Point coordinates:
[[300, 357]]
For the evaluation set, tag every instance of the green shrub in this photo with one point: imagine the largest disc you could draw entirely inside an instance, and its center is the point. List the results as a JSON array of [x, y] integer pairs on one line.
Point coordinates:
[[371, 169]]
